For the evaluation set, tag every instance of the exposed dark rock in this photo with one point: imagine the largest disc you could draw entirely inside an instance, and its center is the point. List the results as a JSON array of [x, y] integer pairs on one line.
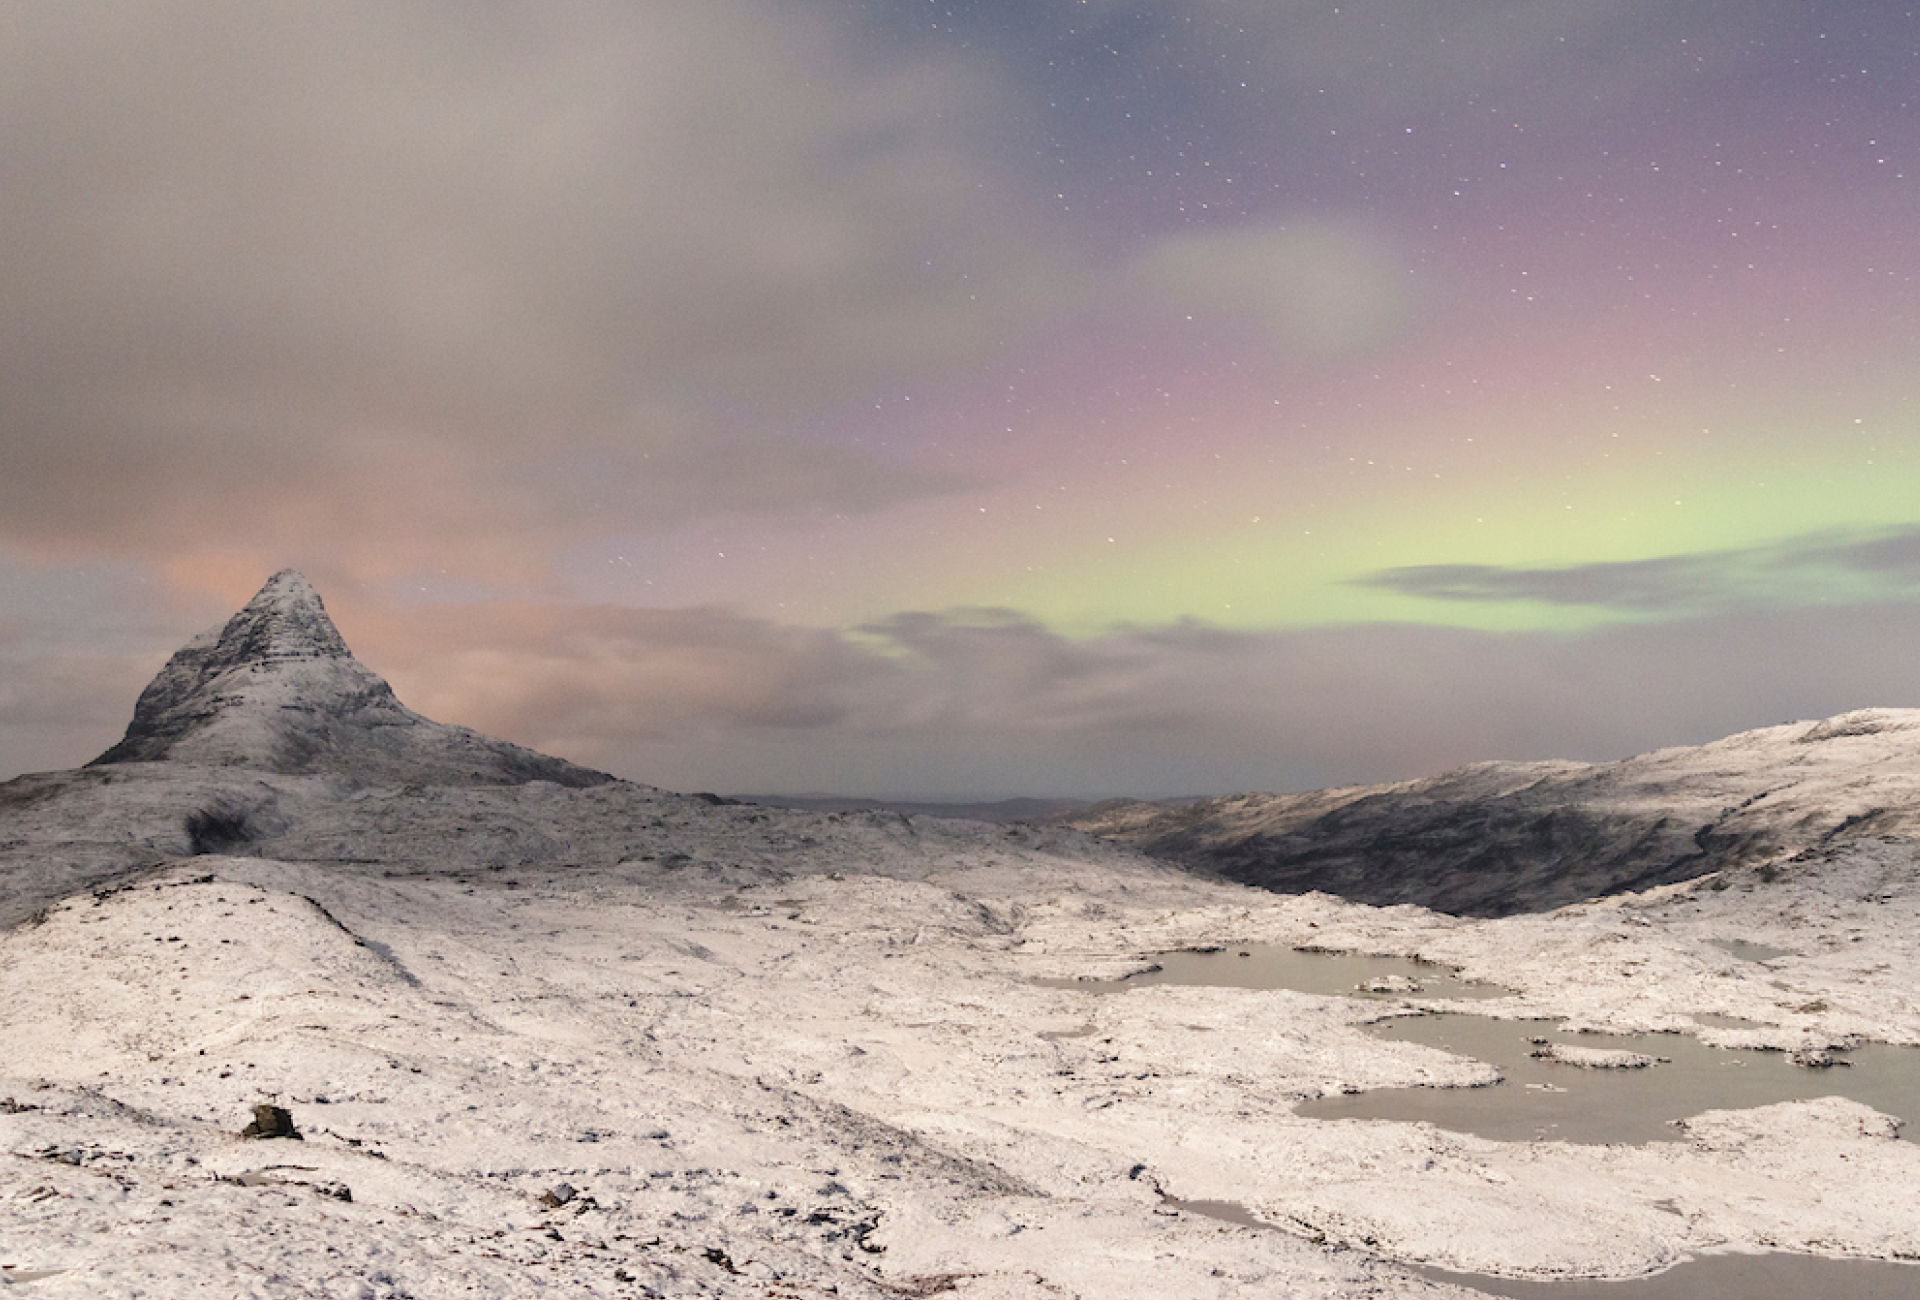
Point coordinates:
[[558, 1195], [1815, 1059], [271, 1122], [927, 1284], [217, 830]]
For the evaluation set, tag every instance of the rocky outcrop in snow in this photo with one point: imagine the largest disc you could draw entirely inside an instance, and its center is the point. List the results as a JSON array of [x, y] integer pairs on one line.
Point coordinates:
[[1593, 1058]]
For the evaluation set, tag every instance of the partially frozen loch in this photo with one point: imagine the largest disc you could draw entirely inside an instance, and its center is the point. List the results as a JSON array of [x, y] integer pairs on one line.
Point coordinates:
[[1719, 1277], [1275, 966], [1542, 1093], [1547, 1099]]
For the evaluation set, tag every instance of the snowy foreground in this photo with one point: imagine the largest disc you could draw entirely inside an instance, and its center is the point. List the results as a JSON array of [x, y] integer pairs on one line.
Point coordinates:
[[543, 1031], [794, 1054]]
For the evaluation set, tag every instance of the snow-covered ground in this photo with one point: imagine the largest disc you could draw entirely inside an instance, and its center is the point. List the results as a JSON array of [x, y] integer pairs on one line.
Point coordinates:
[[786, 1082], [581, 1037]]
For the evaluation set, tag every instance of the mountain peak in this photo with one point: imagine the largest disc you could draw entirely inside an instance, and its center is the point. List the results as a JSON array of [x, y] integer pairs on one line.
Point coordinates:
[[287, 588], [285, 620], [276, 689]]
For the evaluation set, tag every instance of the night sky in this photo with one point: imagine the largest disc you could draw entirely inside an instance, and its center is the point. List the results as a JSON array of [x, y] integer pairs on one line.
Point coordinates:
[[1040, 397]]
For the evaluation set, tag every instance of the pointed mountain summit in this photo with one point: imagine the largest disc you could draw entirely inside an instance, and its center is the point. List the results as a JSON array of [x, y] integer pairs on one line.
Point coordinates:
[[275, 689]]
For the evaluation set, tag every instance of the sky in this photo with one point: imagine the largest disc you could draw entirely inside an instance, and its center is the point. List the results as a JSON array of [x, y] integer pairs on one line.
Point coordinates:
[[940, 399]]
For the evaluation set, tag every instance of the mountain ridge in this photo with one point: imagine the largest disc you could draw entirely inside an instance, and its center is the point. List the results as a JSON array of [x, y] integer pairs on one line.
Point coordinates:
[[1491, 839]]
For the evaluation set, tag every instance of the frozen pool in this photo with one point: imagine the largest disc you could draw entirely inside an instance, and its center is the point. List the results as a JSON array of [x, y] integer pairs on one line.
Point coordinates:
[[1723, 1277], [1546, 1099], [1746, 950], [1538, 1098], [1705, 1277], [1306, 970]]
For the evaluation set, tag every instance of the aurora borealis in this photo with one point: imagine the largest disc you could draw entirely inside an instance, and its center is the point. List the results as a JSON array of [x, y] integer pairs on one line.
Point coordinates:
[[946, 399]]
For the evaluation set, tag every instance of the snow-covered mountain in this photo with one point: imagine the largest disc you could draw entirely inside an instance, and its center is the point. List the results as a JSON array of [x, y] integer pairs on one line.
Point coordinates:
[[266, 734], [1498, 838], [275, 689]]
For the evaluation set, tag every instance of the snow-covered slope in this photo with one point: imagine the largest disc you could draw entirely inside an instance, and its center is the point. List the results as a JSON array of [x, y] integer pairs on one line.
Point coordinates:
[[1498, 838], [845, 1082]]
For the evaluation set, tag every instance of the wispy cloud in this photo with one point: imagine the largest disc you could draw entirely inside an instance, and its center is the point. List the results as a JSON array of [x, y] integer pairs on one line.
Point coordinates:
[[77, 644], [1824, 567], [990, 703], [1317, 288]]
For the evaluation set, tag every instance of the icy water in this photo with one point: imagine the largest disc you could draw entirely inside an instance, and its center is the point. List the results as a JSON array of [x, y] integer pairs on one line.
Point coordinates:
[[1722, 1277], [1305, 970], [1539, 1099], [1546, 1099], [1706, 1277]]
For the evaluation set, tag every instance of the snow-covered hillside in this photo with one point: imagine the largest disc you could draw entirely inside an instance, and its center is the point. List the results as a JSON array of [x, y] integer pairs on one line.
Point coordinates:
[[601, 1040], [1498, 838]]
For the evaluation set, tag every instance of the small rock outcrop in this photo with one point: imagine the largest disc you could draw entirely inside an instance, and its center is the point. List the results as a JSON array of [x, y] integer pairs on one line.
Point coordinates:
[[271, 1122], [1593, 1058], [1814, 1058], [275, 689]]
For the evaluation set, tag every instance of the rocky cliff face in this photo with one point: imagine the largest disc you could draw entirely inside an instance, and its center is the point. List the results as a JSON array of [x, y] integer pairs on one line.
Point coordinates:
[[1499, 838], [276, 690]]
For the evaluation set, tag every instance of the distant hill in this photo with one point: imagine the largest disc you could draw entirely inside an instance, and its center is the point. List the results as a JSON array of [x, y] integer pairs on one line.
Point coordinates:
[[1497, 838], [998, 810]]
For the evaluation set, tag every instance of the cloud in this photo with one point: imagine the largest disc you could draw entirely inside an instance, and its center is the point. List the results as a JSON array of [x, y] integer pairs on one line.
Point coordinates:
[[765, 477], [1892, 557], [1665, 584], [987, 703], [381, 274], [77, 644], [1391, 63], [1819, 567], [1318, 289]]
